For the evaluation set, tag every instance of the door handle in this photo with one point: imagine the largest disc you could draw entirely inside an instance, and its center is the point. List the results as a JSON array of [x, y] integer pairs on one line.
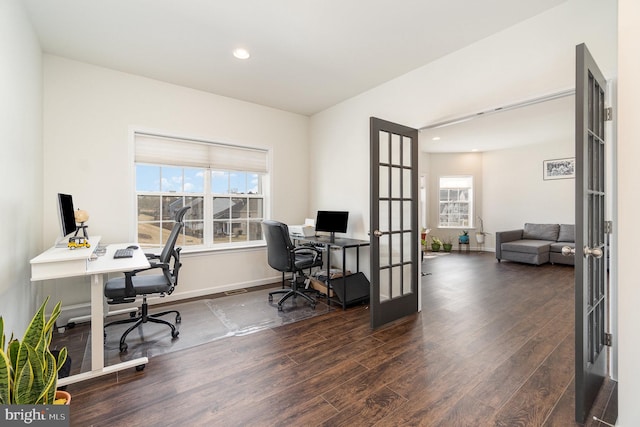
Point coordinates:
[[594, 252], [378, 233], [568, 251]]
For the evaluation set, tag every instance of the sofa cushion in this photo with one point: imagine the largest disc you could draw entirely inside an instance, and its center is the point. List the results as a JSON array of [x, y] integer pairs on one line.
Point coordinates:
[[557, 246], [567, 233], [541, 231], [527, 246]]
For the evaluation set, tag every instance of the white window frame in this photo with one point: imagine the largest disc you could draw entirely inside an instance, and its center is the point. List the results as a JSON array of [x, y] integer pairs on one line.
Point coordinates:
[[470, 202], [208, 195]]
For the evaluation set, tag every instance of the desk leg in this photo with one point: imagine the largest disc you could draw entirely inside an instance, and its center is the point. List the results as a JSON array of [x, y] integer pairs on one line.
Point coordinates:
[[97, 322], [328, 282], [97, 339]]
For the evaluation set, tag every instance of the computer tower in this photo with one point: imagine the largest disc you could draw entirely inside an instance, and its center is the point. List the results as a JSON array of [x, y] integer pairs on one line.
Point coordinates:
[[356, 285]]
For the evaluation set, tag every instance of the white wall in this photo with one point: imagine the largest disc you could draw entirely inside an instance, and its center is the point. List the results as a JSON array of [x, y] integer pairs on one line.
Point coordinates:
[[89, 113], [530, 59], [515, 192], [20, 164], [450, 165], [628, 208]]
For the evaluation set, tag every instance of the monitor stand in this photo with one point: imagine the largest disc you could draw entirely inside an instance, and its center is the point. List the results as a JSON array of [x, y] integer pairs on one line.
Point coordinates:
[[332, 237]]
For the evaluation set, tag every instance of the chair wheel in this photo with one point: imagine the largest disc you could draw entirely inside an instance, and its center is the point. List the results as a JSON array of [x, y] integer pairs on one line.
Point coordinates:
[[132, 314], [270, 298], [313, 306], [123, 348], [280, 308], [178, 319], [175, 334], [140, 368]]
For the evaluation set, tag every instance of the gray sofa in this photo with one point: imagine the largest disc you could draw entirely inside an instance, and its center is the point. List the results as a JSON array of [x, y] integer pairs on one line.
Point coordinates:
[[536, 244]]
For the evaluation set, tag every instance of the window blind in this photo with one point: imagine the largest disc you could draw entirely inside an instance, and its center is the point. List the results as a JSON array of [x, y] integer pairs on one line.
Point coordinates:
[[162, 150]]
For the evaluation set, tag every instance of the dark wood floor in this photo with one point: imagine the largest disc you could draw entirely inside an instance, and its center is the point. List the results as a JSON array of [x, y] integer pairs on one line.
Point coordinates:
[[493, 346]]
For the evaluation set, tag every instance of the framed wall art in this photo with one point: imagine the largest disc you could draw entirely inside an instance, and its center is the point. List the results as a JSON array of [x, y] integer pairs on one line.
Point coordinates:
[[559, 168]]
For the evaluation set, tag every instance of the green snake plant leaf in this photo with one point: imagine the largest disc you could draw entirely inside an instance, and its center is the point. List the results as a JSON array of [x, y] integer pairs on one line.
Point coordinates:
[[5, 379], [23, 385], [1, 334], [28, 370]]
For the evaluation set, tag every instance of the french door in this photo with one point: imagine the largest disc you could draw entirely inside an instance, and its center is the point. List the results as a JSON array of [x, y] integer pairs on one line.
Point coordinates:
[[591, 290], [394, 221]]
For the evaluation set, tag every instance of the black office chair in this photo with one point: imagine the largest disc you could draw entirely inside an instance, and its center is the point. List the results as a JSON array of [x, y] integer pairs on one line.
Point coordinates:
[[125, 289], [283, 256]]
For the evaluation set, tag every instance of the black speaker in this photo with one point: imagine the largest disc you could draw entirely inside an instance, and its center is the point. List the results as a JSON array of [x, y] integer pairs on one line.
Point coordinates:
[[357, 288]]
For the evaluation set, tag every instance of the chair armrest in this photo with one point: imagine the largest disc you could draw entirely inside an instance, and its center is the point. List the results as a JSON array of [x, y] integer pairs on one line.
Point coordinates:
[[311, 250], [506, 236]]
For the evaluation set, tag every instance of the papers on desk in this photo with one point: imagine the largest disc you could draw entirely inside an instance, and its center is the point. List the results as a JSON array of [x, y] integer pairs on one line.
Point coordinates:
[[308, 229]]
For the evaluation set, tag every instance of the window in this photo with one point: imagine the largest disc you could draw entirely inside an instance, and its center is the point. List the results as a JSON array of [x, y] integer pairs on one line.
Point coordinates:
[[456, 202], [223, 184]]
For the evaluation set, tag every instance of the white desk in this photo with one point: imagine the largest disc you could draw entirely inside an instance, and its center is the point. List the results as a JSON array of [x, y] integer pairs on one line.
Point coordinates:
[[56, 263]]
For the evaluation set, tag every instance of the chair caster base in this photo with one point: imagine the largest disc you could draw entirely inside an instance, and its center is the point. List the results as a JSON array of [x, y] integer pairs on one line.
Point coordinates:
[[175, 334], [140, 368], [123, 348]]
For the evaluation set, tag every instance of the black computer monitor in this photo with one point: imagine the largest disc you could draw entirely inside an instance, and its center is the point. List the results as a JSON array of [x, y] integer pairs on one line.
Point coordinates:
[[332, 222], [66, 214]]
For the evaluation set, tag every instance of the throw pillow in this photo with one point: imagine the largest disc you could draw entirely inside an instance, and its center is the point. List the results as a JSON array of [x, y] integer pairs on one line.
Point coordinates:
[[567, 233], [541, 231]]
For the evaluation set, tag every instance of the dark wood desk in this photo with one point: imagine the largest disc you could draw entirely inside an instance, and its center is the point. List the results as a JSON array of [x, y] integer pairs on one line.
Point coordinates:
[[343, 244]]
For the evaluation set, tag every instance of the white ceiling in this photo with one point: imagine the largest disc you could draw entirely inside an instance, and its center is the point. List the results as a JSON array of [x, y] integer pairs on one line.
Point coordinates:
[[542, 122], [306, 55]]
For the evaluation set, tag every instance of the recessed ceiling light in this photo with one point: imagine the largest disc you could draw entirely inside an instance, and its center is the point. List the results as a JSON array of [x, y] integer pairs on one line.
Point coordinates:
[[241, 53], [435, 138], [474, 150]]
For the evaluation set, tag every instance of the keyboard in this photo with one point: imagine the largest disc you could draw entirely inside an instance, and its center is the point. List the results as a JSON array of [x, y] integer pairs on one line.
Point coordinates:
[[123, 253]]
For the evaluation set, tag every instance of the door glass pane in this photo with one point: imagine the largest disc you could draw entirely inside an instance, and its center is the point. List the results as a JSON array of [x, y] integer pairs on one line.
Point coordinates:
[[395, 150], [396, 216], [406, 151], [383, 213], [384, 147], [385, 285], [396, 249], [406, 279], [406, 215], [384, 182], [407, 249], [384, 251], [406, 183], [396, 283], [396, 191]]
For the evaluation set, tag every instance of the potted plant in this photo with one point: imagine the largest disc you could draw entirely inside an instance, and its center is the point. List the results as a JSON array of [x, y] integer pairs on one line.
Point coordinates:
[[480, 233], [447, 245], [435, 243], [28, 369], [464, 237]]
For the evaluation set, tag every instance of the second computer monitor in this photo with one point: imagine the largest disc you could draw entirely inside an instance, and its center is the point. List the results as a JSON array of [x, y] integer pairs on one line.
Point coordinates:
[[332, 222]]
